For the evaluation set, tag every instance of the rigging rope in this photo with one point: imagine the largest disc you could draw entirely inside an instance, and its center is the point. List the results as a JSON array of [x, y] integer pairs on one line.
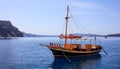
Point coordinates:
[[76, 23]]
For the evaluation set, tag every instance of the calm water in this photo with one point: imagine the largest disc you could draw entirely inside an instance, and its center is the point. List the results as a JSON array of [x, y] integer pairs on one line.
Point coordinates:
[[25, 53]]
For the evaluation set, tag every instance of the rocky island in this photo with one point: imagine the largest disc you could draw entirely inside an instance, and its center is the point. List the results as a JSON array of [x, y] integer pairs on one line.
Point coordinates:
[[8, 30]]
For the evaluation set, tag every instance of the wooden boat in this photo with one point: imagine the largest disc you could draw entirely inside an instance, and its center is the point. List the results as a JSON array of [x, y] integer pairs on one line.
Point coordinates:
[[72, 49]]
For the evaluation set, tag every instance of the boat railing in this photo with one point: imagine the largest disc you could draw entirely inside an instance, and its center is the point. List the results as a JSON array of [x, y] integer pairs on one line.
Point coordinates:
[[76, 46], [55, 45]]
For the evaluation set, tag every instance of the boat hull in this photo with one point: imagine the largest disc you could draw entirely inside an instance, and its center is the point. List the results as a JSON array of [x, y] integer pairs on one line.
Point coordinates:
[[62, 53]]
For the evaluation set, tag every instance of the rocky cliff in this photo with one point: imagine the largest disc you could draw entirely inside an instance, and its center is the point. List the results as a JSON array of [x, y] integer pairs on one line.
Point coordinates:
[[8, 30]]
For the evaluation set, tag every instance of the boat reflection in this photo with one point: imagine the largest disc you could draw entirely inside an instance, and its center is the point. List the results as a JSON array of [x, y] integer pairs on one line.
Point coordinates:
[[83, 62]]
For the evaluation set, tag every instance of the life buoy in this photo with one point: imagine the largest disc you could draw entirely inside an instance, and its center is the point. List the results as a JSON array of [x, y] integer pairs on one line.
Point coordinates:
[[61, 36]]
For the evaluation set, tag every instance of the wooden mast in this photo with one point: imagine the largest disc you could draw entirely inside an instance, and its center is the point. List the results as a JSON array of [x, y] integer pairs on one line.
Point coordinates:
[[66, 29]]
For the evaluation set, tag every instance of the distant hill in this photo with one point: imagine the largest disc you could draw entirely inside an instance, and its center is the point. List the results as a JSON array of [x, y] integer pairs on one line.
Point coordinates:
[[34, 35], [114, 35], [90, 35], [8, 30], [30, 35], [49, 35], [84, 35]]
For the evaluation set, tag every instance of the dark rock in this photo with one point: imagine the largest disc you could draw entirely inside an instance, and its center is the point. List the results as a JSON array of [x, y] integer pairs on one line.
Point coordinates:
[[8, 30]]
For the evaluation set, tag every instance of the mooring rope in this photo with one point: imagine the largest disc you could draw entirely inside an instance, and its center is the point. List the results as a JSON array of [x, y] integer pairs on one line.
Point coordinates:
[[104, 51], [66, 57]]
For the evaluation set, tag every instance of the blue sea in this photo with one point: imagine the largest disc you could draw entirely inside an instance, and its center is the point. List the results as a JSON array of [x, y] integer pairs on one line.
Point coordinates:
[[26, 53]]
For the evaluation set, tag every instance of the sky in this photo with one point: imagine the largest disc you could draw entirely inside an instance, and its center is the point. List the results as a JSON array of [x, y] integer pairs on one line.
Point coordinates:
[[47, 17]]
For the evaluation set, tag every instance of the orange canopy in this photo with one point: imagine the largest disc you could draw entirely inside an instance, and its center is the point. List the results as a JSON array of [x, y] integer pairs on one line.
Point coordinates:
[[61, 36]]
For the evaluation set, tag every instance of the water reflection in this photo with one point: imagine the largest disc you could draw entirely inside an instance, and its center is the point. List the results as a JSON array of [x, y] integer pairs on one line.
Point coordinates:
[[84, 62]]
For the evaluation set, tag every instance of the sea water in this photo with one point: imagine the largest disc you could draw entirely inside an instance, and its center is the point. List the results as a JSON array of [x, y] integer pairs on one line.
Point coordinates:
[[26, 53]]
